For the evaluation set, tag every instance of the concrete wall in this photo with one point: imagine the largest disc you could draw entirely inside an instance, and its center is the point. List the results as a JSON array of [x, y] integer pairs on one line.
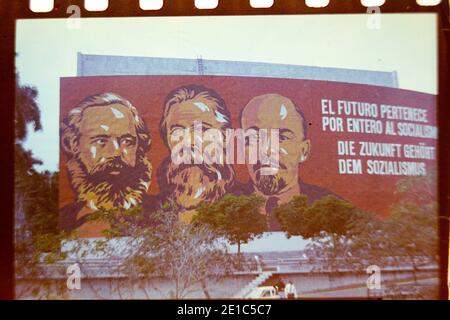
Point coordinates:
[[97, 65], [307, 284], [157, 288]]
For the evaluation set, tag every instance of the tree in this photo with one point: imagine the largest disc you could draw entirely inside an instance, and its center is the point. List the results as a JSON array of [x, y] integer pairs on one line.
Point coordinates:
[[42, 215], [349, 251], [26, 113], [410, 233], [329, 222], [413, 234], [328, 214], [295, 218], [26, 110], [412, 227], [37, 239], [190, 256], [237, 218], [408, 236]]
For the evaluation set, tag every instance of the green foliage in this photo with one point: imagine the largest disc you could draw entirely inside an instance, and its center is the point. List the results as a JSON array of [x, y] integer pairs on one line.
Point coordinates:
[[48, 246], [237, 218], [36, 194], [43, 213], [122, 222], [410, 232], [37, 239], [412, 223], [26, 110], [344, 238], [328, 214]]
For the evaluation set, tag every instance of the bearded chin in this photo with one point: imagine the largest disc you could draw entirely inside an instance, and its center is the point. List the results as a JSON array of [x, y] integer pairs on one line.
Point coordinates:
[[191, 185], [270, 184], [103, 191]]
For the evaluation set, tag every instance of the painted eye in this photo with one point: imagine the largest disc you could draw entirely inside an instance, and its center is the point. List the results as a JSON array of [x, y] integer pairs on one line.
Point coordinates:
[[178, 131], [101, 142], [127, 141], [286, 136]]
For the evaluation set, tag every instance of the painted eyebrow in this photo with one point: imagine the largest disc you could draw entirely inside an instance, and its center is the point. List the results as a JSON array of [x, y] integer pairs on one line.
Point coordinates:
[[98, 136], [206, 124], [174, 126], [254, 128], [127, 135], [285, 130]]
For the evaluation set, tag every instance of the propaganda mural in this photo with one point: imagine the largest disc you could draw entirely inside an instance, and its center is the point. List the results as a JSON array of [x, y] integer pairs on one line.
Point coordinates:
[[130, 141]]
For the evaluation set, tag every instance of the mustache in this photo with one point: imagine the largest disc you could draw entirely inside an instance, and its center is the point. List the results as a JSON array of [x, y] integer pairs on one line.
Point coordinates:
[[258, 166], [209, 170], [110, 164]]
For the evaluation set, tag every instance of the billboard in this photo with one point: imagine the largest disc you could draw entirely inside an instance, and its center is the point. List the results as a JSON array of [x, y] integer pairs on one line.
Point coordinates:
[[131, 141]]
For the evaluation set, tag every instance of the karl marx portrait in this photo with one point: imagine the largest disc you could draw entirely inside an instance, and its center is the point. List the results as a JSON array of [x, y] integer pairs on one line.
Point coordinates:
[[192, 183], [273, 111], [105, 142]]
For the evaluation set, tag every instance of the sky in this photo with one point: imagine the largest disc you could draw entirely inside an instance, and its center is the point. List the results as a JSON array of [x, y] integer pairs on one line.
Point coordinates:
[[47, 50]]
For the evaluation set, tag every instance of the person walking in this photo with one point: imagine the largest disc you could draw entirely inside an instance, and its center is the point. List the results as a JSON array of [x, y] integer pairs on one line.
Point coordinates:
[[290, 291]]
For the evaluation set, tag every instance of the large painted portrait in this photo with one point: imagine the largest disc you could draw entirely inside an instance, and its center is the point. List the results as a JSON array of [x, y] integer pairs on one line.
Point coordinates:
[[106, 144], [143, 141], [190, 183]]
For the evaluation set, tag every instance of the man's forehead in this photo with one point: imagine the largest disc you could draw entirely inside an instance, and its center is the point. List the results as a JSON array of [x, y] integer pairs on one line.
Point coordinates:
[[114, 117], [274, 112], [195, 110]]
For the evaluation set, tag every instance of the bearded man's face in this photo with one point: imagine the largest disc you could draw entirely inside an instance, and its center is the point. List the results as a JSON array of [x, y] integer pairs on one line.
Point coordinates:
[[192, 184], [109, 170], [108, 140]]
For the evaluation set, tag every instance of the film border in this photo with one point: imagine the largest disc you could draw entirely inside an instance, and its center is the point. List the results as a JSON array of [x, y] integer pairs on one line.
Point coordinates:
[[10, 11]]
